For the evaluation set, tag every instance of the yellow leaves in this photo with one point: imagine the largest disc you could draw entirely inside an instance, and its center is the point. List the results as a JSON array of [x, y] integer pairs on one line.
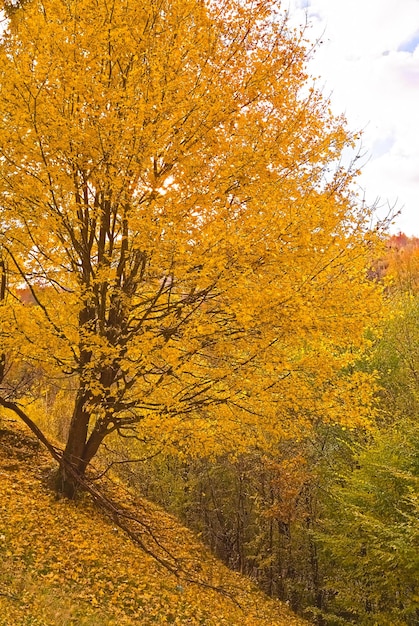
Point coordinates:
[[288, 479], [348, 400], [164, 192], [399, 265], [66, 564]]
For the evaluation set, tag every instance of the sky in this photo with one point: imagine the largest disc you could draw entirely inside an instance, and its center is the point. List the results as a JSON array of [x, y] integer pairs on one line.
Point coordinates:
[[368, 63]]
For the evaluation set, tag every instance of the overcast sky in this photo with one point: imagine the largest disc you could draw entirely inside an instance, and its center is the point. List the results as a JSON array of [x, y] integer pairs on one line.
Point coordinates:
[[369, 63]]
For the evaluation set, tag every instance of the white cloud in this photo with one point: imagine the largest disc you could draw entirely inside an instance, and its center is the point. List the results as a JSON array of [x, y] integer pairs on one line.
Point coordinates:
[[369, 62]]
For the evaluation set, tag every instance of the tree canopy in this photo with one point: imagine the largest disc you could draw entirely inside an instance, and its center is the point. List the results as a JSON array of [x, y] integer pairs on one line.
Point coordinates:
[[172, 201]]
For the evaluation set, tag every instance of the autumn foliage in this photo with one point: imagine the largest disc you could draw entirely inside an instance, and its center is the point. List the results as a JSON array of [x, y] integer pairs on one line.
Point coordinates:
[[401, 263], [62, 564], [196, 308], [171, 198]]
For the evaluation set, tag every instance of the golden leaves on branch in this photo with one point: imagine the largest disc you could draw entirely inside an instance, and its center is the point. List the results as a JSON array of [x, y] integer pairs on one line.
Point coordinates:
[[171, 201]]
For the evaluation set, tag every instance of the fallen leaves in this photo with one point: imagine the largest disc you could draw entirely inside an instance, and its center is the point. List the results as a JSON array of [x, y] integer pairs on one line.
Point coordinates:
[[62, 563]]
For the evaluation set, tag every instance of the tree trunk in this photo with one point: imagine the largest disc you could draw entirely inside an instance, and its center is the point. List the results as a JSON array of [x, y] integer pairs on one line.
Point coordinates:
[[72, 464], [80, 448]]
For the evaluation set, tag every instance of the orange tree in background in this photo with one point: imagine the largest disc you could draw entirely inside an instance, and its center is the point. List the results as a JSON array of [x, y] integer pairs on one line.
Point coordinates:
[[401, 264], [172, 200]]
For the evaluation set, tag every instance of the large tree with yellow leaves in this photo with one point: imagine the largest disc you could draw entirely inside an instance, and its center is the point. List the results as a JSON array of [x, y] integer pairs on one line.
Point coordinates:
[[171, 198]]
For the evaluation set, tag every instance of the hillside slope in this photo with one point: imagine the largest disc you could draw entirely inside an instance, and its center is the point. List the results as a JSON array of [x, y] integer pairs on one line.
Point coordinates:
[[67, 564]]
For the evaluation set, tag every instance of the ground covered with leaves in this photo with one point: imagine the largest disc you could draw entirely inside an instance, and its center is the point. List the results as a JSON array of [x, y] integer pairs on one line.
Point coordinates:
[[64, 563]]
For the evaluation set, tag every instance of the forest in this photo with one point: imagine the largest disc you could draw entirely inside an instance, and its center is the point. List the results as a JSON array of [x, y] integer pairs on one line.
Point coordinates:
[[197, 303]]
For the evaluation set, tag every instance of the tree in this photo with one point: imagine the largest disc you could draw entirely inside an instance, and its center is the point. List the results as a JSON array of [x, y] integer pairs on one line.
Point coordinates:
[[369, 523], [172, 200], [372, 534], [402, 261]]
